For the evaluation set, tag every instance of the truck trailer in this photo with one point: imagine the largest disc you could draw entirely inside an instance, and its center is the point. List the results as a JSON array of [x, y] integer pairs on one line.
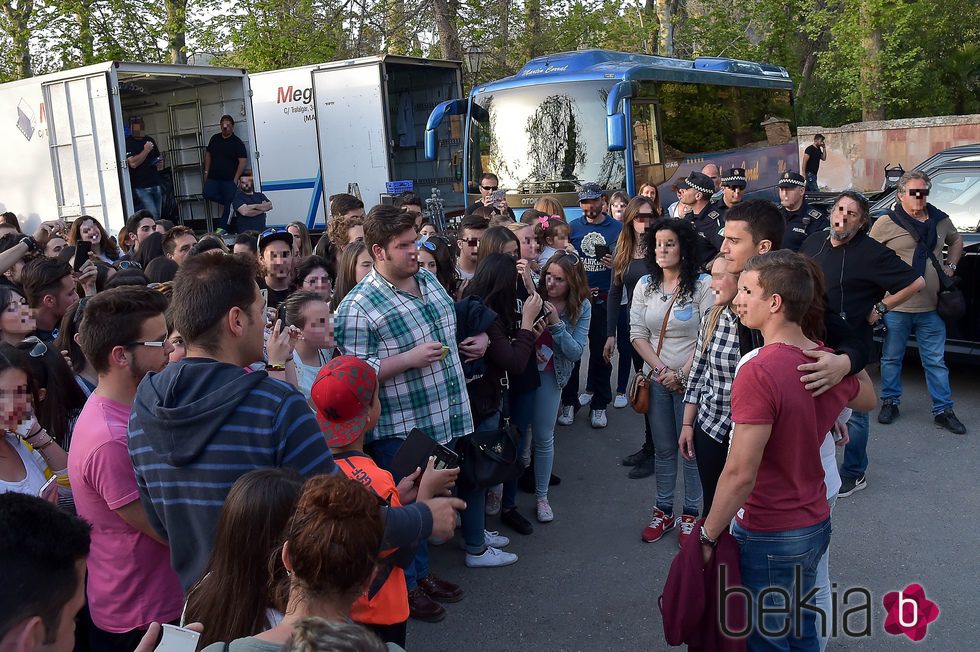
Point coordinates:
[[65, 136], [352, 126]]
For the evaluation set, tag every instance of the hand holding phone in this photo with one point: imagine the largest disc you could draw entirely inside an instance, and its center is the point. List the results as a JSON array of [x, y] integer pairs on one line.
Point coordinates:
[[82, 249], [437, 481], [601, 251]]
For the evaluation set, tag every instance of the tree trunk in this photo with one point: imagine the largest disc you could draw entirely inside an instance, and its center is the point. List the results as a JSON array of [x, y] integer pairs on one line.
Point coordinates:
[[17, 19], [86, 42], [533, 28], [806, 75], [665, 16], [176, 30], [872, 107], [446, 28], [503, 36]]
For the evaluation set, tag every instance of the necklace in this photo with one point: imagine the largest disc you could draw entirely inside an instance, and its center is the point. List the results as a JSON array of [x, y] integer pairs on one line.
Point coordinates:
[[664, 295]]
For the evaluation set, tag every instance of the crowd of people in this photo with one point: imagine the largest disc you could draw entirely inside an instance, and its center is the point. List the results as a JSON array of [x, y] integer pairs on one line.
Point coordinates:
[[221, 417]]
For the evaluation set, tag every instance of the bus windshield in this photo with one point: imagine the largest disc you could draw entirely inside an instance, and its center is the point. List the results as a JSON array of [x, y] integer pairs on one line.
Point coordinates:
[[545, 138]]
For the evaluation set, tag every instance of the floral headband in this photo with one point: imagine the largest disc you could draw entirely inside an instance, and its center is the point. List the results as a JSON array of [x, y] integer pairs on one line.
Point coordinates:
[[544, 220]]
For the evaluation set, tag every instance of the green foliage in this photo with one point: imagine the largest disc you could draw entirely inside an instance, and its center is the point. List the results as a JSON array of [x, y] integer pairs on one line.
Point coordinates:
[[929, 57]]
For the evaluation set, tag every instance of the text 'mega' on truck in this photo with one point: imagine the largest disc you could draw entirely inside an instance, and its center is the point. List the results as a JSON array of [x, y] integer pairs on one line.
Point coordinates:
[[621, 120]]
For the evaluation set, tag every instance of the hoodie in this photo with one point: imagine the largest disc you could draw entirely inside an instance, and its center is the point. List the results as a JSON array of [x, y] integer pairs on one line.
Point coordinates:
[[195, 428]]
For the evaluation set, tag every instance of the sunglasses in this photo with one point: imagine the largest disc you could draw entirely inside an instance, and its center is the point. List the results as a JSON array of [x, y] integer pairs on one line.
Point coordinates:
[[273, 231], [918, 193], [126, 264], [38, 347], [491, 188], [424, 242], [565, 254]]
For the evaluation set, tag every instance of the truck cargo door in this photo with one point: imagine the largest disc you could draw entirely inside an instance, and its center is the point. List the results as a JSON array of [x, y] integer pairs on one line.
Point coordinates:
[[351, 133], [84, 156]]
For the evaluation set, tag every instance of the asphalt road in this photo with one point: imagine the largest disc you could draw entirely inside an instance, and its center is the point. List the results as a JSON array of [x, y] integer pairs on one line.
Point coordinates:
[[587, 582]]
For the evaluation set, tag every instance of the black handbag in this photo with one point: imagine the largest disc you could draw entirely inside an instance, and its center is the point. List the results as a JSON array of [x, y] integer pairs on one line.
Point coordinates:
[[489, 458], [950, 302]]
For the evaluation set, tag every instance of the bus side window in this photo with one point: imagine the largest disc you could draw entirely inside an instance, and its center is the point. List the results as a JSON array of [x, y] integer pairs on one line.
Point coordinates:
[[647, 162]]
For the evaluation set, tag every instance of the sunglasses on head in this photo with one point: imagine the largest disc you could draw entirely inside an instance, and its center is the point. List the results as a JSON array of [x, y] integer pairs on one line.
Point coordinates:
[[38, 347], [426, 243], [272, 231], [566, 254], [491, 188], [126, 264], [918, 193]]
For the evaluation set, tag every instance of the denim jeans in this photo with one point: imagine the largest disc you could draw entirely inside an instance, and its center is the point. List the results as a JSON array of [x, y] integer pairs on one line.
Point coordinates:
[[930, 335], [786, 560], [383, 451], [811, 182], [666, 415], [473, 519], [856, 451], [599, 377], [625, 349], [151, 199], [521, 411], [547, 399], [823, 598], [221, 192]]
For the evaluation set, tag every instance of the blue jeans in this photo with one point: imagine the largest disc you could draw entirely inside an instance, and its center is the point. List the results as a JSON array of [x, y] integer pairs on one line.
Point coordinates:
[[666, 415], [521, 411], [930, 334], [856, 451], [473, 519], [788, 561], [151, 199], [221, 192], [547, 399], [383, 451], [599, 377], [824, 599], [811, 182]]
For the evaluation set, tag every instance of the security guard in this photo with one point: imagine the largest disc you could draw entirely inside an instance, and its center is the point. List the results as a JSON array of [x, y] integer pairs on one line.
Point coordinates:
[[695, 193], [733, 185], [802, 220]]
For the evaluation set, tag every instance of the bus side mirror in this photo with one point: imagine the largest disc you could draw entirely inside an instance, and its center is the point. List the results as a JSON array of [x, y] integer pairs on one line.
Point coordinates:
[[616, 132], [440, 113]]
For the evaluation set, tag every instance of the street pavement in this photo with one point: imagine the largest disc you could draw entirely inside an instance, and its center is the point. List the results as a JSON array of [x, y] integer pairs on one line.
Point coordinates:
[[587, 582]]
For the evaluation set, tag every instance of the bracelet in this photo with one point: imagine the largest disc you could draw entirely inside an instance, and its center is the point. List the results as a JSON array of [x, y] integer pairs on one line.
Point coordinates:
[[705, 539], [275, 367], [687, 425], [40, 449]]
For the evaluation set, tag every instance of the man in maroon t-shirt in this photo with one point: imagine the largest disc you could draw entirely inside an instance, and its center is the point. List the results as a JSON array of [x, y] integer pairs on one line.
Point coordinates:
[[773, 482]]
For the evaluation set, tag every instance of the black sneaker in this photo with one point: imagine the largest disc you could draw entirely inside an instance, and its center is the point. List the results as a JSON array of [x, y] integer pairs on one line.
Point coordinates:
[[644, 469], [638, 456], [513, 519], [889, 412], [851, 485], [946, 419]]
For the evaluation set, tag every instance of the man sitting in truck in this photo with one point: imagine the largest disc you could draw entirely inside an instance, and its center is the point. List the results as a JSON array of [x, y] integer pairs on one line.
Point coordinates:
[[250, 206], [144, 161]]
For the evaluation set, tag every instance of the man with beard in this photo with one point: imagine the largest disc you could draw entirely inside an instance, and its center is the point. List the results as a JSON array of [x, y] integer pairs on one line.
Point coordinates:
[[123, 336], [859, 271], [250, 206], [802, 220]]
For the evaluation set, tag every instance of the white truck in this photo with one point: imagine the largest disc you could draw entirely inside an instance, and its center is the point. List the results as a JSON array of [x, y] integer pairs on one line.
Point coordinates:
[[65, 137], [352, 126]]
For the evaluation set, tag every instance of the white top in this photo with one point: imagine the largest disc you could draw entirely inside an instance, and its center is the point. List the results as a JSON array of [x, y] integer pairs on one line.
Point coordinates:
[[306, 373], [35, 465]]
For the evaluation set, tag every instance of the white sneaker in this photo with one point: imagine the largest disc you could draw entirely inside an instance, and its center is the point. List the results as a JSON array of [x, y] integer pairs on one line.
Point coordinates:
[[566, 416], [584, 399], [545, 515], [620, 401], [491, 558], [493, 501], [493, 539], [599, 419]]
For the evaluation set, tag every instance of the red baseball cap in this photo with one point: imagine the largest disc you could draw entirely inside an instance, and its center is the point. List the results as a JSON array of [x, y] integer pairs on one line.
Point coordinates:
[[342, 393]]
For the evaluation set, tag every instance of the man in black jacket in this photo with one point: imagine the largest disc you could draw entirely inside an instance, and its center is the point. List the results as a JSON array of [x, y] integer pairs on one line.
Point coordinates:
[[802, 220]]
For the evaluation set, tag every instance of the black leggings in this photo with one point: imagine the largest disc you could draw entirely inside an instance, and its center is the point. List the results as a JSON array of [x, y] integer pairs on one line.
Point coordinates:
[[711, 458], [391, 633]]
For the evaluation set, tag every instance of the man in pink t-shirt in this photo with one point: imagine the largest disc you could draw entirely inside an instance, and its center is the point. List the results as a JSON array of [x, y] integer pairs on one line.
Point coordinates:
[[130, 582], [773, 483]]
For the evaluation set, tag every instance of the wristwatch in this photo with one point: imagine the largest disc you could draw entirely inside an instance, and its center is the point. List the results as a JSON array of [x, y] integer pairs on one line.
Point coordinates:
[[705, 539], [881, 308], [951, 266]]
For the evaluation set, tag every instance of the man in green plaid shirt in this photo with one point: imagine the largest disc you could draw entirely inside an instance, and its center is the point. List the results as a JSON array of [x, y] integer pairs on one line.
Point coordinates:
[[402, 322]]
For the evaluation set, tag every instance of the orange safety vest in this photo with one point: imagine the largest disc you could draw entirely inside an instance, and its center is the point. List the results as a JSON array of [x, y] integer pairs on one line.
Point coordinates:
[[386, 604]]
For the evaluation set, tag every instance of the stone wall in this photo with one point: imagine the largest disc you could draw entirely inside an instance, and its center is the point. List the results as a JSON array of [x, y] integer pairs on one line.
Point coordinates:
[[857, 153]]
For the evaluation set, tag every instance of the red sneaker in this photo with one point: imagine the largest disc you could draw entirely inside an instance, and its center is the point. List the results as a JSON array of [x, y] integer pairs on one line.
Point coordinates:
[[659, 525], [687, 528]]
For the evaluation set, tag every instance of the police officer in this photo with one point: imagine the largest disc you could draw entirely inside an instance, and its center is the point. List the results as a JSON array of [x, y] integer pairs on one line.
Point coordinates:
[[733, 185], [695, 193], [802, 220]]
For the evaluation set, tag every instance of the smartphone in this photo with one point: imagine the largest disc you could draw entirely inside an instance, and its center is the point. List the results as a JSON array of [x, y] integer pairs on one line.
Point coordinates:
[[446, 458], [48, 490], [498, 197], [178, 639], [601, 251], [82, 250], [281, 315], [415, 452]]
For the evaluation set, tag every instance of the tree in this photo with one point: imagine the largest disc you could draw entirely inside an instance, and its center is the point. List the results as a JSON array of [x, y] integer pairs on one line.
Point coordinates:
[[16, 24]]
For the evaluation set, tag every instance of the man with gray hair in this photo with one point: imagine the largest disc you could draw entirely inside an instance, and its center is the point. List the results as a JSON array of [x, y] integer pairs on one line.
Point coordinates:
[[916, 231]]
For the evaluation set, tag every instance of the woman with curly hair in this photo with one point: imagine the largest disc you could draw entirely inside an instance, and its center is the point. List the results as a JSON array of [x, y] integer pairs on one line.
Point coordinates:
[[88, 228], [668, 305]]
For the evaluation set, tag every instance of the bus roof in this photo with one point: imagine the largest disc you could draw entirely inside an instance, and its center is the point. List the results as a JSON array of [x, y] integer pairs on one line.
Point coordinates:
[[588, 65]]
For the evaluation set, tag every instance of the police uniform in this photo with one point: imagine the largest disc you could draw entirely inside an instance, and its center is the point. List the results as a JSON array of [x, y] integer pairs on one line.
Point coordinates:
[[804, 221], [734, 178], [709, 222]]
